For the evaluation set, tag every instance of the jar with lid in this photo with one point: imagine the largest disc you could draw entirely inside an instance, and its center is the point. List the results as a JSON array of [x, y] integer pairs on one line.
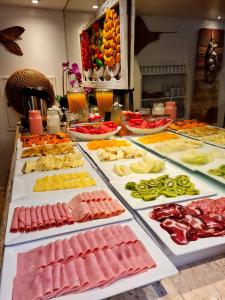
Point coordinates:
[[171, 109], [117, 113], [35, 122], [158, 109], [53, 121]]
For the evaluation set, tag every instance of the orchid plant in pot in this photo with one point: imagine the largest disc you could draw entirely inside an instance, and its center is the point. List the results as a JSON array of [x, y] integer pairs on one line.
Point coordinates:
[[76, 94]]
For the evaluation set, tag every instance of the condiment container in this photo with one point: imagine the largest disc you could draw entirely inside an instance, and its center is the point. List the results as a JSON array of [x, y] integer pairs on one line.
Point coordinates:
[[171, 109], [158, 109], [53, 121], [35, 121]]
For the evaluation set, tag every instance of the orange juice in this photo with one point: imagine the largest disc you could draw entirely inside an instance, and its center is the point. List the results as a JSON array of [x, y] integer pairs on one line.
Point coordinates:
[[104, 101], [76, 101]]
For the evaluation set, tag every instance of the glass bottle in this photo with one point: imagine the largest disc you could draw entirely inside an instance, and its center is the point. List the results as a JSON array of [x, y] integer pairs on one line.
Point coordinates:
[[35, 122], [53, 121]]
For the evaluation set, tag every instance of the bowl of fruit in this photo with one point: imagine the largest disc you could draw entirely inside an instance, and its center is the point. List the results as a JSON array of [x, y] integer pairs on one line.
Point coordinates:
[[94, 131], [148, 126]]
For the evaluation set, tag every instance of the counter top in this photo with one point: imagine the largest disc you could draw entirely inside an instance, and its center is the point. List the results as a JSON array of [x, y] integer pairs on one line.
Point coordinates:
[[201, 280]]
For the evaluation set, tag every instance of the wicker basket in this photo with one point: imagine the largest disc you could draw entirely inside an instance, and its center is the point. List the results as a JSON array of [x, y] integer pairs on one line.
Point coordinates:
[[23, 79]]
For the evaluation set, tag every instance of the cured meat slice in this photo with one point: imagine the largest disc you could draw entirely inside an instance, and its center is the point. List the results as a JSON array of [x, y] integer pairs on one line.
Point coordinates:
[[45, 218], [31, 260], [69, 216], [64, 282], [84, 244], [58, 219], [62, 212], [195, 222], [82, 274], [40, 221], [50, 215], [15, 221], [92, 241], [82, 213], [102, 243], [180, 231], [211, 232], [22, 220], [34, 222], [94, 272], [67, 250], [59, 254], [212, 222], [166, 211], [105, 266], [75, 245], [72, 275], [50, 253], [35, 285]]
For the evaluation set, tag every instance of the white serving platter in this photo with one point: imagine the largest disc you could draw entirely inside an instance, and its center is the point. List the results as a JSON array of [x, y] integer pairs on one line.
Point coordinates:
[[192, 246], [23, 185], [19, 163], [213, 165], [213, 144], [17, 238], [176, 157], [20, 150], [163, 269], [90, 137], [112, 176], [93, 154], [136, 204]]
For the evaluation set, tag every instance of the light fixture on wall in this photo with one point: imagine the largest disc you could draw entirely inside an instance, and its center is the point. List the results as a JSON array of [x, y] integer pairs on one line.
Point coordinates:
[[35, 1], [219, 17], [96, 6]]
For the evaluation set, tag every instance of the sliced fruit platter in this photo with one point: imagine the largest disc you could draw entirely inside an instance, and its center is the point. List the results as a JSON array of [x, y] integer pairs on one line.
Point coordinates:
[[151, 190], [147, 126], [97, 131], [43, 139], [186, 124]]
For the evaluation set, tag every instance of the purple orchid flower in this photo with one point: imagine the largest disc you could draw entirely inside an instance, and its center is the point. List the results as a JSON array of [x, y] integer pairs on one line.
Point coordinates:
[[72, 82], [65, 64]]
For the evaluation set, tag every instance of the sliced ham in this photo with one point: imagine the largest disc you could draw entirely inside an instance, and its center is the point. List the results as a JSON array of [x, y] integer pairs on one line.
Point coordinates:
[[27, 220], [69, 216], [22, 220], [82, 213], [51, 216], [45, 217], [58, 219], [62, 212], [67, 250], [34, 222], [40, 221], [15, 221]]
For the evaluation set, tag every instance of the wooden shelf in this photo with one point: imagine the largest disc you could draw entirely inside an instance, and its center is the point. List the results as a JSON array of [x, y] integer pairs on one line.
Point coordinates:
[[164, 98]]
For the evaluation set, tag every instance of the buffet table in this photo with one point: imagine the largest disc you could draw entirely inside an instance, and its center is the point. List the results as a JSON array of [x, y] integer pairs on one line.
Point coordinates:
[[201, 274]]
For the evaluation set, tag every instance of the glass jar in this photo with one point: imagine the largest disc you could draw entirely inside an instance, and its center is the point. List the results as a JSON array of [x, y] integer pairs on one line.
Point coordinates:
[[158, 109], [53, 121], [117, 114], [104, 101], [35, 122], [171, 109]]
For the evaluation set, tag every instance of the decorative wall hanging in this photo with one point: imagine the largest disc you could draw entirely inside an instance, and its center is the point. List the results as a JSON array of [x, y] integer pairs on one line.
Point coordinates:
[[8, 37], [143, 36], [23, 79], [106, 47], [206, 83]]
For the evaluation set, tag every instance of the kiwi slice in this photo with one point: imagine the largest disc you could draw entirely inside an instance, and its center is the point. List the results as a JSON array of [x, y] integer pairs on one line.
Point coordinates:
[[139, 187], [170, 183], [136, 195], [183, 180], [130, 186], [169, 192]]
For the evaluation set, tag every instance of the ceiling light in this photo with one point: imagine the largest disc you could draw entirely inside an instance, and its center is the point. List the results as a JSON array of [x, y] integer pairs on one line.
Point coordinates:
[[35, 1], [219, 17], [94, 6]]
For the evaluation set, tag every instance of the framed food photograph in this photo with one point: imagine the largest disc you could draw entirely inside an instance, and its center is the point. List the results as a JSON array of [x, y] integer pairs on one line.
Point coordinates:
[[106, 46]]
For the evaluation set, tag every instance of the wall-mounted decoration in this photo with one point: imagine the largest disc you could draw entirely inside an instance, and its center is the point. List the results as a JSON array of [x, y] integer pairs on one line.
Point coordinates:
[[143, 36], [8, 37], [105, 47], [206, 83], [26, 78]]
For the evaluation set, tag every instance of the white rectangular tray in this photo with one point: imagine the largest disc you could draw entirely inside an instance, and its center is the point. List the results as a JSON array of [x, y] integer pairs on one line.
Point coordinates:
[[213, 165], [19, 163], [20, 150], [108, 170], [17, 238], [192, 246], [23, 185], [140, 204], [93, 154], [163, 269]]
